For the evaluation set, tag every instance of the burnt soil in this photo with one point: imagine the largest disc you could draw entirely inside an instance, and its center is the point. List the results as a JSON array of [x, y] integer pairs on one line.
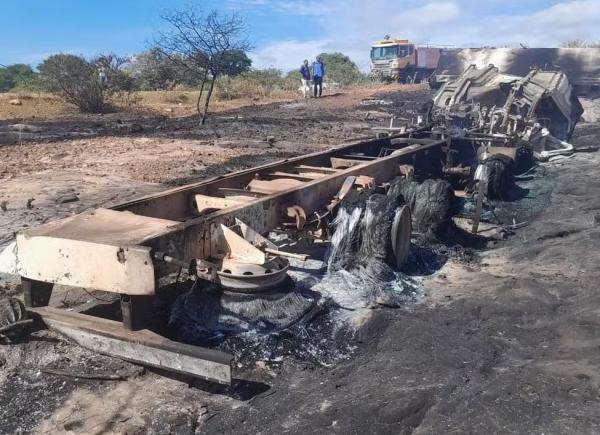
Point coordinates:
[[505, 339]]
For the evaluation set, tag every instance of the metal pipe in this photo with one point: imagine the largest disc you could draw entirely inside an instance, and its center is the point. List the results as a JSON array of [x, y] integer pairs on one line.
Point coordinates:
[[301, 257]]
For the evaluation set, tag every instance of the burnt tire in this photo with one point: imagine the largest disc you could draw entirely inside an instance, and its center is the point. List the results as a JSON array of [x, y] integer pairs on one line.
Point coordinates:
[[430, 203], [375, 227], [500, 175], [385, 231], [12, 311]]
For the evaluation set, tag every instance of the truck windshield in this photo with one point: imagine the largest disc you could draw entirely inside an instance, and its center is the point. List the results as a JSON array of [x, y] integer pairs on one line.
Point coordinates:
[[384, 52]]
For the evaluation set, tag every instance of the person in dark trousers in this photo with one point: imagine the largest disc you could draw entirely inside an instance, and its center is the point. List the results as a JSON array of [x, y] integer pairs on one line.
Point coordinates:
[[318, 72], [305, 78]]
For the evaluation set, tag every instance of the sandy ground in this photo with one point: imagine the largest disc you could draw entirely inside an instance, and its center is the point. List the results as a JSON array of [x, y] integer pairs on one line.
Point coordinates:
[[506, 341]]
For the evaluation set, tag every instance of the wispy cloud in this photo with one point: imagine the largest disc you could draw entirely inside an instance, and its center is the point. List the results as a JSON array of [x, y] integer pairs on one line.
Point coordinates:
[[350, 26], [288, 55]]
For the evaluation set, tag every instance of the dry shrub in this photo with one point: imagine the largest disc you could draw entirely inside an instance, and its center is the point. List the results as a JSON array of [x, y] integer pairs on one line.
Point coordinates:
[[255, 84], [126, 99], [177, 98]]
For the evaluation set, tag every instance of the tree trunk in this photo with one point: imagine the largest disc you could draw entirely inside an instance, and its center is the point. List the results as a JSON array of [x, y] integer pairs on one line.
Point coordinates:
[[212, 85], [201, 91]]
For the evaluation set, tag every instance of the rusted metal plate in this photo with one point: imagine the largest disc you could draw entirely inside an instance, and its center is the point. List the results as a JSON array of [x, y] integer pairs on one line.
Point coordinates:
[[205, 203], [240, 249], [273, 186], [343, 163], [105, 226]]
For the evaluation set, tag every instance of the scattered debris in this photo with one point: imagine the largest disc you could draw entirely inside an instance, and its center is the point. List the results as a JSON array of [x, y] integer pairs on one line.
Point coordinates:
[[509, 107], [371, 102], [135, 128], [95, 376], [65, 199], [502, 122], [25, 128], [244, 143]]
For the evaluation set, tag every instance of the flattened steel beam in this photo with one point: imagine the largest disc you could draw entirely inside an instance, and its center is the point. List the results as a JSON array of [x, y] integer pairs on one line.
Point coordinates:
[[343, 163], [143, 347]]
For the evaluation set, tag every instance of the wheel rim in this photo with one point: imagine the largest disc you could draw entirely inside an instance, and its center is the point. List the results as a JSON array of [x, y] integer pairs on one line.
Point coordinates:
[[400, 234]]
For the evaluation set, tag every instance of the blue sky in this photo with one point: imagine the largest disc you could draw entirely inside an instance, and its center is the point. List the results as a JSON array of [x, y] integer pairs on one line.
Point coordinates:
[[286, 31]]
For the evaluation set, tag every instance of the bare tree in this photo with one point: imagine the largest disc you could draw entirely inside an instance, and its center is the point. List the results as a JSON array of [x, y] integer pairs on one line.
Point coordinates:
[[211, 44]]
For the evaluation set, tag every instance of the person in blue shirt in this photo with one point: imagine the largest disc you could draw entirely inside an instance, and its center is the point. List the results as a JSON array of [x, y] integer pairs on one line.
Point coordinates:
[[305, 78], [318, 72]]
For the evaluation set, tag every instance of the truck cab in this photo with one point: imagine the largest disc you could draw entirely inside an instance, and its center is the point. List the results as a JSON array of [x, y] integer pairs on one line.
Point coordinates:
[[401, 60], [388, 56]]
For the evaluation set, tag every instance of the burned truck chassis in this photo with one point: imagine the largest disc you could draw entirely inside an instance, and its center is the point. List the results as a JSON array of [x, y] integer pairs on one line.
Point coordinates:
[[214, 229], [217, 229]]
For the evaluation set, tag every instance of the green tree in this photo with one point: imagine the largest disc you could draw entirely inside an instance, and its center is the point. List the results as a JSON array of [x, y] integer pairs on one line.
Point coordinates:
[[339, 68], [75, 79], [17, 75], [117, 77], [86, 84]]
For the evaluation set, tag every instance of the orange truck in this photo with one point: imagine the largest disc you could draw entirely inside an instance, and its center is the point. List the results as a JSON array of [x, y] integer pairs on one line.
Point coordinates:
[[402, 61]]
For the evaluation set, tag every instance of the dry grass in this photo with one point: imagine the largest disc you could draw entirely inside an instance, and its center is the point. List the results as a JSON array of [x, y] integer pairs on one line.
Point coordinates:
[[169, 103], [34, 105], [182, 102]]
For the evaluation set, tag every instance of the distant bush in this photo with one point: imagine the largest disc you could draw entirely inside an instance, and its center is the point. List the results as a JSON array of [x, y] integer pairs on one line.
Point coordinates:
[[16, 76], [87, 84], [259, 83], [340, 69], [74, 79]]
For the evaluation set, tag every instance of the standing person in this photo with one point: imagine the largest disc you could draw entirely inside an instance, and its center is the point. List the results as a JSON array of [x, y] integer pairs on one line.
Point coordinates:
[[318, 72], [305, 78]]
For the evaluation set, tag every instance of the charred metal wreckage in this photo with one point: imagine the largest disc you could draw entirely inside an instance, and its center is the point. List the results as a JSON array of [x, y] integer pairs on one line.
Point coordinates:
[[218, 229], [503, 121]]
